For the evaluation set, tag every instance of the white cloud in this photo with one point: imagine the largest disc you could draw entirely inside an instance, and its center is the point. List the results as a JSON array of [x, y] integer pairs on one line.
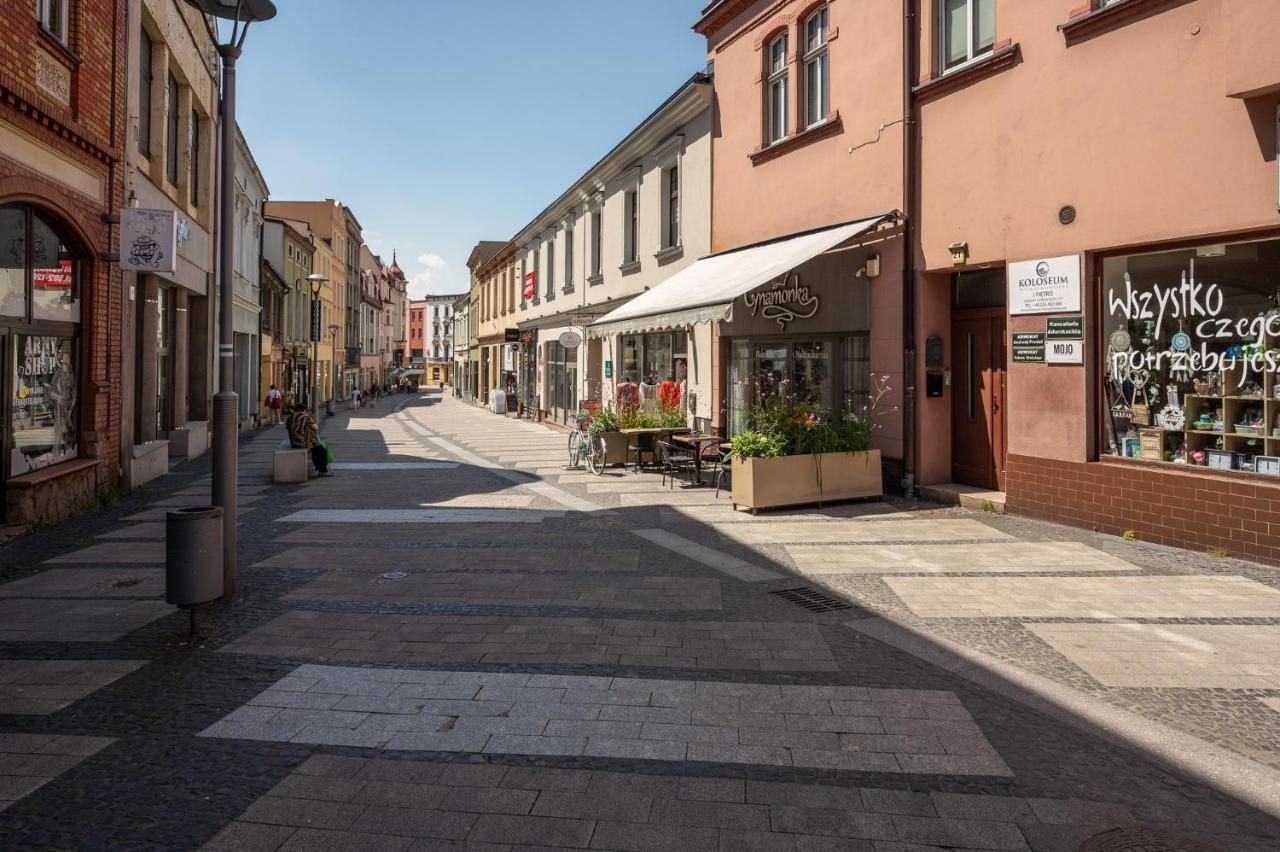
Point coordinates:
[[433, 277]]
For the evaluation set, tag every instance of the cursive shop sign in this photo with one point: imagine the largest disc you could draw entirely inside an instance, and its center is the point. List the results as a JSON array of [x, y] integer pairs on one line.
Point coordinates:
[[786, 301]]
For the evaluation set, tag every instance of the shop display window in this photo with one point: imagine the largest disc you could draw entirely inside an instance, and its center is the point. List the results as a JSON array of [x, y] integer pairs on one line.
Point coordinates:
[[1190, 345], [43, 411]]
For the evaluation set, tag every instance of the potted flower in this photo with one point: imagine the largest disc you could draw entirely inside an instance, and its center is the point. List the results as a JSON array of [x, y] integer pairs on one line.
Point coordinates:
[[605, 423], [796, 452]]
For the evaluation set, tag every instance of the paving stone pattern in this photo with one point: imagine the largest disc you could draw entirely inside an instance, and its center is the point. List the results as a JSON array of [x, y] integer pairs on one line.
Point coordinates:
[[29, 761], [828, 727], [40, 687], [355, 803], [434, 639], [565, 664], [517, 589]]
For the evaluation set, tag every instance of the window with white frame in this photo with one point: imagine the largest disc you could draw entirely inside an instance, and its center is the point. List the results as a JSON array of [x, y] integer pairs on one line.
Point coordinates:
[[631, 237], [551, 267], [597, 243], [671, 207], [968, 30], [55, 16], [817, 69], [568, 257], [778, 89]]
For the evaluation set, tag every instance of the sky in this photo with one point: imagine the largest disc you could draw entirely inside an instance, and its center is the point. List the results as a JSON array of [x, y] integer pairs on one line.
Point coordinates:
[[441, 124]]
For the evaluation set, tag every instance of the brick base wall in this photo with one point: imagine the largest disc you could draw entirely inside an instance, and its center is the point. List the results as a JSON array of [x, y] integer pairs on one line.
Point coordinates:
[[1177, 506]]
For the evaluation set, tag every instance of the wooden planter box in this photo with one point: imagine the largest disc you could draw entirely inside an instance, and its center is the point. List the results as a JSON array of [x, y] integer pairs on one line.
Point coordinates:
[[794, 480], [615, 448]]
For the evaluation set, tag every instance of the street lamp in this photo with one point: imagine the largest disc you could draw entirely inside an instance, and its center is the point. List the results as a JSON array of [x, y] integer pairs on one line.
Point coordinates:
[[333, 346], [317, 282], [225, 402]]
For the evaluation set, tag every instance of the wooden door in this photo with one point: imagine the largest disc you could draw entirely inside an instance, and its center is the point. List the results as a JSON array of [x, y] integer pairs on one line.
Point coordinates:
[[978, 397]]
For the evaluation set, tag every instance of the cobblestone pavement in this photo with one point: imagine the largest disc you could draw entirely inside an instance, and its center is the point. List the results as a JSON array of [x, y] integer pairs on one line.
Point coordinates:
[[456, 643]]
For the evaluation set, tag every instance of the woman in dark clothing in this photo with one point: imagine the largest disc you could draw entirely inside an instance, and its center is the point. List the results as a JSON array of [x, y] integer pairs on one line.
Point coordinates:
[[305, 435]]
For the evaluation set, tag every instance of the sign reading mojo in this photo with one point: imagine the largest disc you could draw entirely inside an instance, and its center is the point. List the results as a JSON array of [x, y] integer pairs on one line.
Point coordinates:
[[1045, 286], [786, 301], [148, 240]]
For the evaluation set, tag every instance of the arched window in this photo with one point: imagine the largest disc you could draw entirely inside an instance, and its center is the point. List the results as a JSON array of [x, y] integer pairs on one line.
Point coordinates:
[[778, 90], [40, 279], [817, 69]]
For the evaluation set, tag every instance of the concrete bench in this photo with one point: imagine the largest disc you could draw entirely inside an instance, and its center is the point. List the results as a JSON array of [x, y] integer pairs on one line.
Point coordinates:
[[289, 464]]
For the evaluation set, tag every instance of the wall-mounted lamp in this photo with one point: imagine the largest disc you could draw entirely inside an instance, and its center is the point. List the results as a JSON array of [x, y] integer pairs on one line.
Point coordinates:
[[872, 269], [959, 253]]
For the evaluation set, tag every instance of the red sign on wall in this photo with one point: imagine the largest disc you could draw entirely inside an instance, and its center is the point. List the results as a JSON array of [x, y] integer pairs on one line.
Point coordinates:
[[530, 285]]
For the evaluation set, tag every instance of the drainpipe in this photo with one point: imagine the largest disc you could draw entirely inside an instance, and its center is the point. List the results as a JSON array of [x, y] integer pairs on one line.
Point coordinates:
[[910, 178]]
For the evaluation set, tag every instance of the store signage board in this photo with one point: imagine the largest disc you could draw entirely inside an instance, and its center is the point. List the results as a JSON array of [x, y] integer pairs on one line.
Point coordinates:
[[1046, 286], [511, 335], [1028, 347], [608, 369], [1064, 352], [786, 301], [570, 340], [1065, 328], [148, 240]]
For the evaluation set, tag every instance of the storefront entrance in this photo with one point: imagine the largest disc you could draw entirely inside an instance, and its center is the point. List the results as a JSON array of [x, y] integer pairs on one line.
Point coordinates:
[[978, 443]]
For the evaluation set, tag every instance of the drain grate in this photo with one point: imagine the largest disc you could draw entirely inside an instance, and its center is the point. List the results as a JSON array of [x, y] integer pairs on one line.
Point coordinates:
[[811, 600]]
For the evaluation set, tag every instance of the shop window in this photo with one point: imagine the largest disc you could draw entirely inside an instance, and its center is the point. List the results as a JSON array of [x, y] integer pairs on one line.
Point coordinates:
[[857, 374], [1190, 372], [39, 272], [968, 30], [55, 17], [817, 69], [777, 91], [44, 410]]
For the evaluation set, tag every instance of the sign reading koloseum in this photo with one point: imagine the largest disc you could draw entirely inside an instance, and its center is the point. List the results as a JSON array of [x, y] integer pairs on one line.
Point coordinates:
[[1045, 286]]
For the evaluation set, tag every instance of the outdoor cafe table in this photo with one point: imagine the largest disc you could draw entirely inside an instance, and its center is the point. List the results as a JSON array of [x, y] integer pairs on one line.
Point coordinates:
[[658, 431], [699, 442]]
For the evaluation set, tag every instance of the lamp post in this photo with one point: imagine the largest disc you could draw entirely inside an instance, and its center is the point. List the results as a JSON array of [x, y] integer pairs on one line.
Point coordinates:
[[313, 387], [241, 13], [333, 347]]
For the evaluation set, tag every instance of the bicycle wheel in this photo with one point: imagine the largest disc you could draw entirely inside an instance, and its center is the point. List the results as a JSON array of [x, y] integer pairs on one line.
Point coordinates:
[[575, 439], [596, 455]]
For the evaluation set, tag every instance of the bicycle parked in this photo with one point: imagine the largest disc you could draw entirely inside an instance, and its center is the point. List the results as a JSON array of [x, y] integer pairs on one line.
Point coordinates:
[[585, 447]]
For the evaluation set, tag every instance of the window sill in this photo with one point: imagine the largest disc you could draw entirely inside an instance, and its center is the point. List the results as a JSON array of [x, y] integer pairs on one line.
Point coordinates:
[[63, 49], [568, 288], [48, 474], [628, 268], [668, 254], [957, 78], [594, 280], [829, 126], [1087, 23]]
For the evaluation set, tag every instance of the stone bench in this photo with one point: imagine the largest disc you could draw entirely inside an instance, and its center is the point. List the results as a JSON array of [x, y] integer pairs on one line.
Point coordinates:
[[289, 465]]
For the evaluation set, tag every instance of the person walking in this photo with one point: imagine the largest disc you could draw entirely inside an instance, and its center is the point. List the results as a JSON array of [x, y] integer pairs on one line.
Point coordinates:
[[275, 401], [304, 434], [371, 396], [355, 399]]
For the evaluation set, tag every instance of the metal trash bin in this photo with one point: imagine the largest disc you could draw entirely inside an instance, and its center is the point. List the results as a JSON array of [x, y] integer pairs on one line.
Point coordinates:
[[193, 556]]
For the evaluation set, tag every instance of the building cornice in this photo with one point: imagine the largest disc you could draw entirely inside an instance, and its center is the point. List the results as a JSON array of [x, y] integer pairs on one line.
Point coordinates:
[[58, 119]]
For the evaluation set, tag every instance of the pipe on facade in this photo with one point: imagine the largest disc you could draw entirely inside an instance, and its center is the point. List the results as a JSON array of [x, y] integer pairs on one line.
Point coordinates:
[[910, 207]]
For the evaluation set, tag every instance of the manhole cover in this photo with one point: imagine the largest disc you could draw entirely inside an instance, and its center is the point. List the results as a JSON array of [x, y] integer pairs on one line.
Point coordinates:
[[395, 575], [1143, 840], [811, 600]]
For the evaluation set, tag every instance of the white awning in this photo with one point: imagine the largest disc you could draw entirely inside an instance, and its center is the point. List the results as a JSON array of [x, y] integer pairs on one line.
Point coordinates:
[[704, 291]]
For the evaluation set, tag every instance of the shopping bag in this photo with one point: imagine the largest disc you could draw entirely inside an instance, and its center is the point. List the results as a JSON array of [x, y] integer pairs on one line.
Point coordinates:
[[328, 450]]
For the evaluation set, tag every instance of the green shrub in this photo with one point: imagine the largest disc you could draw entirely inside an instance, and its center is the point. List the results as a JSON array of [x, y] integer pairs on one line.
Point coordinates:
[[753, 444]]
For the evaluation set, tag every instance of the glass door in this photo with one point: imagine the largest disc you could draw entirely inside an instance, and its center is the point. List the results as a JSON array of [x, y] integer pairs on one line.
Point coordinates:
[[164, 366]]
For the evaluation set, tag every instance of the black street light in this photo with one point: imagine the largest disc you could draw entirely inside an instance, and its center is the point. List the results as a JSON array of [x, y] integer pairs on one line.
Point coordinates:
[[333, 347], [317, 283], [241, 13]]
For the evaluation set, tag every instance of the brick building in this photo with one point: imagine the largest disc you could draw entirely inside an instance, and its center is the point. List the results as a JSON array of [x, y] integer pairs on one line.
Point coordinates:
[[62, 104]]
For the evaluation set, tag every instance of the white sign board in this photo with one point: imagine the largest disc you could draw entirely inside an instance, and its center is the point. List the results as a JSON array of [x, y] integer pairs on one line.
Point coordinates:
[[1046, 286], [571, 340], [1064, 352], [148, 240]]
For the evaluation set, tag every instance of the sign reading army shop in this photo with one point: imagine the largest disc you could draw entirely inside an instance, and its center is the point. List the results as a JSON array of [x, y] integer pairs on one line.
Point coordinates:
[[1046, 286], [148, 240]]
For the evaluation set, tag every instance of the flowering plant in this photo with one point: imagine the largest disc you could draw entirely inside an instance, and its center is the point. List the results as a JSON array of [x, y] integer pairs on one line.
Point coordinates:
[[802, 427]]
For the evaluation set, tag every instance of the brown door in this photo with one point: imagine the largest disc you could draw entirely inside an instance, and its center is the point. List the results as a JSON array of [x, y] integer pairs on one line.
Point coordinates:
[[977, 397]]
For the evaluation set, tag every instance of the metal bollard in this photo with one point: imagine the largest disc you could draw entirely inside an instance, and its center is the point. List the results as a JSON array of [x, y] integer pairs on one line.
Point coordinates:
[[193, 557]]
